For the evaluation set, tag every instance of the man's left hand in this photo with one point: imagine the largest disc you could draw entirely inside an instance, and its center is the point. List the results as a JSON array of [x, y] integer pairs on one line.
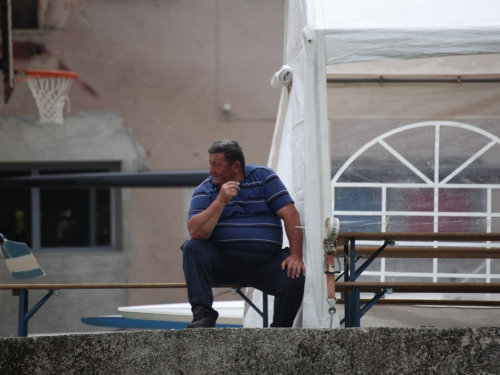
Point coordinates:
[[294, 266]]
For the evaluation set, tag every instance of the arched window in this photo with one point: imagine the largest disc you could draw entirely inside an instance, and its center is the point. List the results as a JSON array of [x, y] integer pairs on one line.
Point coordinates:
[[424, 177]]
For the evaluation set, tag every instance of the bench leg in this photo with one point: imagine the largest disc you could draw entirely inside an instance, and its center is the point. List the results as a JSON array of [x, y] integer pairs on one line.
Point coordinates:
[[22, 325], [264, 314], [24, 314]]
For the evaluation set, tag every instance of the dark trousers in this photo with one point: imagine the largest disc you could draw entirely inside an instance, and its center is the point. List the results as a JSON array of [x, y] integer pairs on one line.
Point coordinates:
[[206, 264]]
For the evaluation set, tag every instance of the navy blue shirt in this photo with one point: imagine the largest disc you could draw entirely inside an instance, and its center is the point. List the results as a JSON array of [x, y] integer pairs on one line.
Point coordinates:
[[249, 221]]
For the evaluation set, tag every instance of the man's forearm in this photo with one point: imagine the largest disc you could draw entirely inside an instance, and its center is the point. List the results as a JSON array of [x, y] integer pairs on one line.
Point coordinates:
[[294, 264], [295, 237], [291, 219], [201, 225]]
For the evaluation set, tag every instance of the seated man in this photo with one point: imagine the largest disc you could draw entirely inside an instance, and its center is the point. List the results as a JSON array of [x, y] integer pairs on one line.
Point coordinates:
[[236, 237]]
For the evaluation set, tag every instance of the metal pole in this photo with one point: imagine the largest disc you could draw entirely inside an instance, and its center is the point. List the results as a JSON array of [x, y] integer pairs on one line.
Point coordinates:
[[370, 260], [355, 320], [372, 302], [22, 327], [347, 296], [265, 312], [381, 80]]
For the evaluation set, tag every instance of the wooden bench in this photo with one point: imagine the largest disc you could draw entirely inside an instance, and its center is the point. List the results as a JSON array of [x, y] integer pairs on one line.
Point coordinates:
[[25, 314], [427, 252], [23, 265], [346, 248], [350, 287]]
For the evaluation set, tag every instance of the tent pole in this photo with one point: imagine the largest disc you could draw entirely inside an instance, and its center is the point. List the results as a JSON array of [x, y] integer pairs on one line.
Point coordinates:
[[459, 80]]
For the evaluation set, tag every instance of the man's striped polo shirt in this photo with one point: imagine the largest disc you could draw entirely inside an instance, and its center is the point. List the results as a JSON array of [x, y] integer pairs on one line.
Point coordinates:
[[249, 221]]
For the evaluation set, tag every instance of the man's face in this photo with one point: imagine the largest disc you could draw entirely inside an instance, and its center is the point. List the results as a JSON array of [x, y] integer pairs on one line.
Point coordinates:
[[220, 170]]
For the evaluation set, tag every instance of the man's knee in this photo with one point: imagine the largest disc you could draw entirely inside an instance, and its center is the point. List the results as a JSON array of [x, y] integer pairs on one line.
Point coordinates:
[[193, 247], [294, 286], [199, 251]]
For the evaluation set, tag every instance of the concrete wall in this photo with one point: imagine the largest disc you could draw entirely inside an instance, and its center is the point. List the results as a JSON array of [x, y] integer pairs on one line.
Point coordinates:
[[162, 70], [259, 351], [85, 136]]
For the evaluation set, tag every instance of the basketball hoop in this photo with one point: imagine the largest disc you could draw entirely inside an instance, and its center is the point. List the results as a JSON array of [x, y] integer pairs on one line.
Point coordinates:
[[50, 89]]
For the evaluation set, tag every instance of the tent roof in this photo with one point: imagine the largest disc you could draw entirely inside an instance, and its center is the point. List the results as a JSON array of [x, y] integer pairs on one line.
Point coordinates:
[[366, 30], [478, 65]]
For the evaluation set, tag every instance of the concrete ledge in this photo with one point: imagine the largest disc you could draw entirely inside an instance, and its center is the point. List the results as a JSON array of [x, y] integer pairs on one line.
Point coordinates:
[[258, 351]]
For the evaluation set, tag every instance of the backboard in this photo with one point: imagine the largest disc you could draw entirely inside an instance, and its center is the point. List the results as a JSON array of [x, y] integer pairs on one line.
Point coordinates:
[[7, 63]]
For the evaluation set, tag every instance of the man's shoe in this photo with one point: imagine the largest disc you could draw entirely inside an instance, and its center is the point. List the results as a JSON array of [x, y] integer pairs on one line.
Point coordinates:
[[205, 322]]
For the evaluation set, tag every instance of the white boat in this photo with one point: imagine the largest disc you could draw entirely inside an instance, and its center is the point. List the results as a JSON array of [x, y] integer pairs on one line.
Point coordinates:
[[230, 312], [167, 316]]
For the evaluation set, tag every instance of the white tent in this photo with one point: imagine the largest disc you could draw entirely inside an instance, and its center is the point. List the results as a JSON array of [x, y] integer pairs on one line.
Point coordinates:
[[362, 40]]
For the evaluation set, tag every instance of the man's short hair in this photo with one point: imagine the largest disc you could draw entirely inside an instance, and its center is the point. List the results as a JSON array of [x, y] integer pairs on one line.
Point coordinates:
[[231, 149]]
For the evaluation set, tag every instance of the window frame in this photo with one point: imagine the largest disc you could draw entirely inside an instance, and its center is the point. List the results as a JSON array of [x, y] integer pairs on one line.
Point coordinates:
[[437, 184], [115, 203]]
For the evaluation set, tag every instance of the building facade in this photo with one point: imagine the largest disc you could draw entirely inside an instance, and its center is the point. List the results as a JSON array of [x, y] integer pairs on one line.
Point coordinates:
[[159, 81]]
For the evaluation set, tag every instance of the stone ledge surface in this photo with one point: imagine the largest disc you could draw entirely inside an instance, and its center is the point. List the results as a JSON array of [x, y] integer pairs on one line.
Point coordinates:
[[258, 351]]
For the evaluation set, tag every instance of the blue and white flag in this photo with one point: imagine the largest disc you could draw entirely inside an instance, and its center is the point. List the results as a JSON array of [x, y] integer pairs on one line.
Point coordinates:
[[19, 259]]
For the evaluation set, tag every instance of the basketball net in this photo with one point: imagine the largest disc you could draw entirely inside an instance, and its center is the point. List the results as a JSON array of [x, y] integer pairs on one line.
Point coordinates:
[[50, 90]]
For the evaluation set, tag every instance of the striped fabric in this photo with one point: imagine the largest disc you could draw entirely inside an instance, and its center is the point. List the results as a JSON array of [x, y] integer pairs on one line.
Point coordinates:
[[19, 260], [249, 222]]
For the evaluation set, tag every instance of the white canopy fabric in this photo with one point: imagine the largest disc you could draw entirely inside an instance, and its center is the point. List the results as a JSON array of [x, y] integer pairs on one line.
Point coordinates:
[[366, 30], [328, 32]]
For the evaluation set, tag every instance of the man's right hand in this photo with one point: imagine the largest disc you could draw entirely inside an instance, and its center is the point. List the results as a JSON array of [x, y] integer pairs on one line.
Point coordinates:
[[228, 191]]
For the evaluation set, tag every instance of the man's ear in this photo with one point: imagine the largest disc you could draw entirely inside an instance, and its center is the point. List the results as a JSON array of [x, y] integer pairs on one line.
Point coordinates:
[[237, 166]]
